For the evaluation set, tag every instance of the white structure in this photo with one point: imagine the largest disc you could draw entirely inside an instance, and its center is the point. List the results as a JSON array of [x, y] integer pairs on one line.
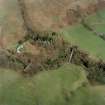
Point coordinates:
[[19, 48]]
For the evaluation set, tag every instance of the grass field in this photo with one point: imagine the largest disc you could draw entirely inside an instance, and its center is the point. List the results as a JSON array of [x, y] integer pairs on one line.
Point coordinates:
[[86, 40], [97, 21], [66, 86]]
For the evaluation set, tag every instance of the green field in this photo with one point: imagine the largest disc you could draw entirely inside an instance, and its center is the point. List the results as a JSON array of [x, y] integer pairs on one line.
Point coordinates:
[[97, 21], [66, 86], [86, 40]]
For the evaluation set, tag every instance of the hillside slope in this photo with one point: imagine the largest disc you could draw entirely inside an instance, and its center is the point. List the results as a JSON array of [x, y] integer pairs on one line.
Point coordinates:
[[65, 86], [54, 12], [52, 52]]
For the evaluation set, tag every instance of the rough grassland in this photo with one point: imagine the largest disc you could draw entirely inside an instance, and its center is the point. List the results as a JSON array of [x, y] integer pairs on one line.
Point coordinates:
[[11, 23]]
